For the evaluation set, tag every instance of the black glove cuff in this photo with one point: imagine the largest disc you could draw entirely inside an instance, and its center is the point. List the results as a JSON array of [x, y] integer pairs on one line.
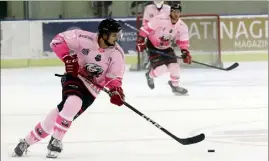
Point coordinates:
[[184, 53]]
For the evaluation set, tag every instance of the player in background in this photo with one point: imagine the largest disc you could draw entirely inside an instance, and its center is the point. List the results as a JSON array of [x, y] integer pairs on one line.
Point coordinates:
[[152, 10], [160, 32], [89, 58]]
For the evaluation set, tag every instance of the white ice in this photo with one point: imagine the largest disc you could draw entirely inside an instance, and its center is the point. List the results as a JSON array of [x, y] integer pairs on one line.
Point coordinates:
[[231, 108]]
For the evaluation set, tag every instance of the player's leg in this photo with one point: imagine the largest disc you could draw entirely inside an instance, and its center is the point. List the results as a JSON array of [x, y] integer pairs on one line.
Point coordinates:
[[88, 99], [158, 66], [63, 122], [174, 70], [40, 131], [146, 61], [45, 127], [76, 99]]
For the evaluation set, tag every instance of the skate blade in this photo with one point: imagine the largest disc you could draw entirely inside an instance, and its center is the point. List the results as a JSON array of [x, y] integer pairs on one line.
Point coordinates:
[[151, 87], [181, 94], [52, 154], [15, 155]]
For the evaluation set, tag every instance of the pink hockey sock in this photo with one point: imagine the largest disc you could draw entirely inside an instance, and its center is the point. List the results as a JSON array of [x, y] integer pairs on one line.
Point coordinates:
[[42, 129], [173, 68], [160, 70], [64, 119]]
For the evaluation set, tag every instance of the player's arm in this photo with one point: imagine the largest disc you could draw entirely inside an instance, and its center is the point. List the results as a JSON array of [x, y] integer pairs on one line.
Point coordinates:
[[182, 41], [61, 45], [146, 29], [146, 16], [144, 32], [113, 78]]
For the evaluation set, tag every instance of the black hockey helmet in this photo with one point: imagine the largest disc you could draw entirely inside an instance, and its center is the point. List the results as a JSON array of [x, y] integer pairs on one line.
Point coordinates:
[[108, 25], [176, 6]]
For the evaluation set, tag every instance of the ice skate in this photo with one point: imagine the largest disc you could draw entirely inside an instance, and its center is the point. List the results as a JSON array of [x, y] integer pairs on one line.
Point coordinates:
[[178, 90], [55, 147], [20, 148], [150, 81]]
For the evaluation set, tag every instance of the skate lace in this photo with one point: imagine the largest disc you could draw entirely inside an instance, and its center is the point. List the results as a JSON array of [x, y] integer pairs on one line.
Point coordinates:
[[57, 143]]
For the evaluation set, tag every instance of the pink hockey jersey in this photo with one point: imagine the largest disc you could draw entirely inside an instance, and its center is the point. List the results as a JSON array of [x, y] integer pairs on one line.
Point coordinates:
[[152, 11], [161, 32], [109, 62]]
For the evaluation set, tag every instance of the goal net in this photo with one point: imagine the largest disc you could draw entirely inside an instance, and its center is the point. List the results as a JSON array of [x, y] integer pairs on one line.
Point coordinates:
[[205, 47]]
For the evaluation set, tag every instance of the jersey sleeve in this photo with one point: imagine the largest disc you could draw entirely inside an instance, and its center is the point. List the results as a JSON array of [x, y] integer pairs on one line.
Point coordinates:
[[182, 38], [63, 43], [149, 27], [116, 69], [71, 38], [146, 16]]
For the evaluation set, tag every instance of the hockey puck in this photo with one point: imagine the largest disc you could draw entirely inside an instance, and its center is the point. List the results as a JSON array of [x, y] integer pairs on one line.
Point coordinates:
[[211, 150]]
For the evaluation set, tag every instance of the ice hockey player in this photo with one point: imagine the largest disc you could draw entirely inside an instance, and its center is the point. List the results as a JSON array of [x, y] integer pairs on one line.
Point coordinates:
[[160, 32], [152, 10], [89, 58]]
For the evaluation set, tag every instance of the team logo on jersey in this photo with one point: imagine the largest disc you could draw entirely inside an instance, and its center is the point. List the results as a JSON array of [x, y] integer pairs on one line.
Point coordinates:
[[98, 57], [65, 123], [171, 31], [94, 69], [39, 131], [151, 15], [85, 51], [166, 37]]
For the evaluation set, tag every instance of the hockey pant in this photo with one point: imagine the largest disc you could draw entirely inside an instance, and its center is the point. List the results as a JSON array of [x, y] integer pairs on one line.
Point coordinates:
[[74, 86], [157, 59]]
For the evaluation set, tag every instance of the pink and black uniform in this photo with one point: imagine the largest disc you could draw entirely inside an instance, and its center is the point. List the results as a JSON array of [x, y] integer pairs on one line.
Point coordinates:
[[153, 10], [107, 63], [160, 32], [86, 64]]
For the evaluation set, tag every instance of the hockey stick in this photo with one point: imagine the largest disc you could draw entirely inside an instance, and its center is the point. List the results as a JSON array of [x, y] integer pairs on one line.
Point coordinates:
[[233, 66], [128, 25], [183, 141]]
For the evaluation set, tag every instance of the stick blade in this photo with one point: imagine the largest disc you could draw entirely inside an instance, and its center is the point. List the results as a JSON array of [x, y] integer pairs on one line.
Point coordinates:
[[232, 66], [192, 140]]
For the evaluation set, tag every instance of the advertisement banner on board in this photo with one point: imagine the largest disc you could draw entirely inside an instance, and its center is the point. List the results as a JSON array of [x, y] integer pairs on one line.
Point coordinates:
[[237, 33]]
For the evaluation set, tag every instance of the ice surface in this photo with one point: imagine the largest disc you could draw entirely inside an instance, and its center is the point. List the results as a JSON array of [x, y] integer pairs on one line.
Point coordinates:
[[231, 108]]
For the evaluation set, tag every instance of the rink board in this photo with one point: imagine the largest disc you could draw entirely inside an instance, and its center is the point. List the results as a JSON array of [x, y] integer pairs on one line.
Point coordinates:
[[238, 38], [19, 63]]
